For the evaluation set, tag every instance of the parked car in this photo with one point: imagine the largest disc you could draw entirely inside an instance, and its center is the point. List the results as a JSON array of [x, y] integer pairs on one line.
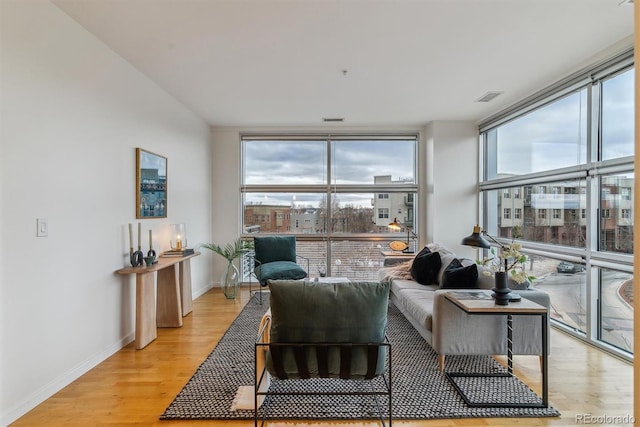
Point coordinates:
[[569, 268]]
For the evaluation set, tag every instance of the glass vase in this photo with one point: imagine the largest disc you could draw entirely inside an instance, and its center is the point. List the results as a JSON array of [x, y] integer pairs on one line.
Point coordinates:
[[229, 281]]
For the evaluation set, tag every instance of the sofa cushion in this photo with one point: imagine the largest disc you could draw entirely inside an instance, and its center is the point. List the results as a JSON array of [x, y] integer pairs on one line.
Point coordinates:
[[299, 308], [398, 285], [426, 266], [417, 303], [316, 312], [279, 270], [275, 248], [457, 276]]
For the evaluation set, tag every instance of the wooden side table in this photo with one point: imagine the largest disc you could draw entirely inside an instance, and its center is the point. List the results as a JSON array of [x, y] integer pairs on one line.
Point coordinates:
[[480, 302], [174, 298]]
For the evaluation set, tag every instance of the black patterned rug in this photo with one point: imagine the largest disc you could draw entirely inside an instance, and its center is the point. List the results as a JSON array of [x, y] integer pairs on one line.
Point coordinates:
[[420, 389]]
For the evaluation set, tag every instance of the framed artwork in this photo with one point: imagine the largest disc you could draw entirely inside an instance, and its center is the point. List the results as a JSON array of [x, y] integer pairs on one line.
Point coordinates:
[[151, 185]]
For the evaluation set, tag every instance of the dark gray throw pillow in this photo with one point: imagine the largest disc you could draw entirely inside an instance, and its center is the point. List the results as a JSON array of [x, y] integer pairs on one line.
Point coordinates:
[[426, 266], [457, 276]]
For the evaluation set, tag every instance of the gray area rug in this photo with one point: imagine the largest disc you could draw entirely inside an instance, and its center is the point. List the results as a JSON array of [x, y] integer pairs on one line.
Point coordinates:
[[420, 390]]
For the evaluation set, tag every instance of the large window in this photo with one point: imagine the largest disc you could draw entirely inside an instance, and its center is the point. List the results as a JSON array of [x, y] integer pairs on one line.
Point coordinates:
[[522, 146], [337, 194], [617, 115], [569, 152]]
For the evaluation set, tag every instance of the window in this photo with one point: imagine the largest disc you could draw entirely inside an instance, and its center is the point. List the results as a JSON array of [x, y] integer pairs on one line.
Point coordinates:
[[522, 146], [570, 149], [616, 301], [506, 193], [507, 213], [616, 227], [617, 115], [337, 194]]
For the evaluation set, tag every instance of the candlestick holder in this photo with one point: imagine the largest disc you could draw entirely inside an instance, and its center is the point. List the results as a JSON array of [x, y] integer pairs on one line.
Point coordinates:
[[136, 258]]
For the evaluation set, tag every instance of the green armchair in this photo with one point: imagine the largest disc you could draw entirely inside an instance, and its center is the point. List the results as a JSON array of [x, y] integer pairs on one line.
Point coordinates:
[[275, 258], [326, 330]]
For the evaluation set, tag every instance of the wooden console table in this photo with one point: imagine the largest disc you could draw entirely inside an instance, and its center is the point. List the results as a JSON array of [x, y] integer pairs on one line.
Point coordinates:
[[174, 296]]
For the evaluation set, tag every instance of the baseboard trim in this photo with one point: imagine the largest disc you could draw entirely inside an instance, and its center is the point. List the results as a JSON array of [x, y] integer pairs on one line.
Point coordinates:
[[201, 291], [57, 384]]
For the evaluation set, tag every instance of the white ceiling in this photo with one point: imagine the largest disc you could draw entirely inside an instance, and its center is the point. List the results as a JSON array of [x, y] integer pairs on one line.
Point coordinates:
[[281, 62]]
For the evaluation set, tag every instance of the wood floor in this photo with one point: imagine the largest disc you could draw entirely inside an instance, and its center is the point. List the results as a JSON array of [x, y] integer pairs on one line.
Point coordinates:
[[135, 387]]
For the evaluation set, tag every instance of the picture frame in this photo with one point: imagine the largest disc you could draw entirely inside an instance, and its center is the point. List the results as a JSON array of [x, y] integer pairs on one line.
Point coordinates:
[[151, 185]]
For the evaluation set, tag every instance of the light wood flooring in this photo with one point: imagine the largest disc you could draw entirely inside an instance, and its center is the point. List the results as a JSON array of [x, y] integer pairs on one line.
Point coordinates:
[[135, 387]]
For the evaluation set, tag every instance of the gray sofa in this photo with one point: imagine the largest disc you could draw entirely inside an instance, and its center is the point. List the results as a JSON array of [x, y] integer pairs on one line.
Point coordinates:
[[451, 331]]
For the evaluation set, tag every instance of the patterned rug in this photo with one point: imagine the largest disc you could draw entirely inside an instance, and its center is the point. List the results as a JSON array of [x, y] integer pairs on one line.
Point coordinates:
[[420, 390]]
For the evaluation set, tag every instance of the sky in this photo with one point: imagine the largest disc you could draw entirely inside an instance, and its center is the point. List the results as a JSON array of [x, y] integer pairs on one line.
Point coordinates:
[[304, 163], [149, 160], [555, 135]]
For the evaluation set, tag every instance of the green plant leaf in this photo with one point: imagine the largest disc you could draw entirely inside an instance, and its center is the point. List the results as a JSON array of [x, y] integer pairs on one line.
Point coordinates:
[[231, 250]]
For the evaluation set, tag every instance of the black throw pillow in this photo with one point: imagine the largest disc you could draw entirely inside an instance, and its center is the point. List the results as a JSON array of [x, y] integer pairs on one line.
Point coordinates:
[[426, 266], [457, 276]]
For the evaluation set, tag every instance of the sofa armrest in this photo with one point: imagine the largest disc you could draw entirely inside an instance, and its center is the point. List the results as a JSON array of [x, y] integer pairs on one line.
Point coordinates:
[[537, 296]]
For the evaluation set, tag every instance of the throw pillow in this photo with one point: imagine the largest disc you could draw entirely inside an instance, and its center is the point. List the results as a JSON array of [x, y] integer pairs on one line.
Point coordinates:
[[457, 276], [426, 266]]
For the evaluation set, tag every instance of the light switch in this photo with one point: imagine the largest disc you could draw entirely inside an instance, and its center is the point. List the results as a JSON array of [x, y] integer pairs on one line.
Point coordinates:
[[43, 227]]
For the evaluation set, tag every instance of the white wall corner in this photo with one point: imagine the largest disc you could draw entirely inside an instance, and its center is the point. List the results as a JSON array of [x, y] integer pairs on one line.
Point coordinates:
[[452, 182]]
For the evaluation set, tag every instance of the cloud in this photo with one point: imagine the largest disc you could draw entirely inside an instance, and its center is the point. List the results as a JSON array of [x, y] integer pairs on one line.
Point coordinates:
[[555, 135], [304, 162]]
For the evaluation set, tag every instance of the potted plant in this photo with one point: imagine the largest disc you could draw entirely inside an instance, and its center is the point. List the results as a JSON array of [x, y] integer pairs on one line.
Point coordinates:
[[230, 252]]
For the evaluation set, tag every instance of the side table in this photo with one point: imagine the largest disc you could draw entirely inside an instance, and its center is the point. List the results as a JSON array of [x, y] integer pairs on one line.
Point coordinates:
[[481, 303], [174, 298], [395, 257]]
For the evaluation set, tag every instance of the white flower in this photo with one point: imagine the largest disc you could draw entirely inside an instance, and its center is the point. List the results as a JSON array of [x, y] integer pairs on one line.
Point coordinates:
[[510, 260]]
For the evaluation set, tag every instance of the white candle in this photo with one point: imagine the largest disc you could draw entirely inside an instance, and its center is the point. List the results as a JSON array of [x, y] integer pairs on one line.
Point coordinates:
[[130, 236], [150, 239], [139, 235]]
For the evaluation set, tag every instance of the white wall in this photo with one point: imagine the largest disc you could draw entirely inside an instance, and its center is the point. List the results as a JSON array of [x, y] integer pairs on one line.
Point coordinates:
[[451, 183], [72, 114]]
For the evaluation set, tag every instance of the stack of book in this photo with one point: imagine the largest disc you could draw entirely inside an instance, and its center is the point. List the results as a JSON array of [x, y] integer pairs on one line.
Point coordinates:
[[180, 252]]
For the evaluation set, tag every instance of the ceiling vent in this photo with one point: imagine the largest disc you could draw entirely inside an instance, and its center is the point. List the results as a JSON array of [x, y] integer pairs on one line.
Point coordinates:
[[488, 96], [333, 119]]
